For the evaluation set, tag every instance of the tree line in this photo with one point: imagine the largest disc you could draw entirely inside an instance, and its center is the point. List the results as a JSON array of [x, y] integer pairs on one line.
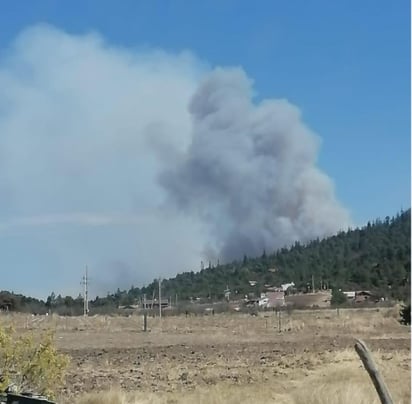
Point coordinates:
[[375, 257]]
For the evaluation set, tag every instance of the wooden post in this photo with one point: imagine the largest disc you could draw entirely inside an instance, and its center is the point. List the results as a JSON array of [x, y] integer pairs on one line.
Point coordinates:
[[280, 320], [370, 366], [145, 321]]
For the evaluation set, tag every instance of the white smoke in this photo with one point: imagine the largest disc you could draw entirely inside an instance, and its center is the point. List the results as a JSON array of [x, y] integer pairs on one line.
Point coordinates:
[[78, 121], [87, 129], [250, 171]]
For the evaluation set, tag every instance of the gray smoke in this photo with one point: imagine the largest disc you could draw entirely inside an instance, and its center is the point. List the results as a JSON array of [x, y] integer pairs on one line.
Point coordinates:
[[250, 171]]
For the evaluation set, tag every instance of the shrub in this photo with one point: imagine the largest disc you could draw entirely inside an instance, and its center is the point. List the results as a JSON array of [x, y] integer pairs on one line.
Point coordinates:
[[30, 365], [405, 314], [338, 297]]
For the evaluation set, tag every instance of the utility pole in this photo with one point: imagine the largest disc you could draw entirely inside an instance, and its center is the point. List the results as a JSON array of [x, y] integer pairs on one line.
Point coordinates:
[[227, 293], [153, 297], [85, 283], [313, 284], [160, 297]]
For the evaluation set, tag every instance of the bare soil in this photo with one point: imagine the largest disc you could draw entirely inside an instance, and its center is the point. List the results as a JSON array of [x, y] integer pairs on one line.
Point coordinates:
[[186, 366], [180, 354]]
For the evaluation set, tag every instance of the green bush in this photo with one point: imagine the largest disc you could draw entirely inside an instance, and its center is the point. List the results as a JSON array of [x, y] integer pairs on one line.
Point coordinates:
[[405, 314], [338, 297], [30, 365]]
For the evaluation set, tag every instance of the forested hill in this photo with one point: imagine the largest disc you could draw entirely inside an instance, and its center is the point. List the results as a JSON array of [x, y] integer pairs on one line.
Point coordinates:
[[375, 257]]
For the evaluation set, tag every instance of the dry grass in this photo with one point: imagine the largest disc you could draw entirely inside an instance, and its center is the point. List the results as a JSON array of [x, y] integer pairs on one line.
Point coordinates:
[[348, 382], [348, 321], [223, 393], [340, 380], [344, 379], [306, 361]]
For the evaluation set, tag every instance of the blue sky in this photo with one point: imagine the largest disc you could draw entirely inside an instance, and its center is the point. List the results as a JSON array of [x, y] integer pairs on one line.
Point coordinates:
[[345, 65]]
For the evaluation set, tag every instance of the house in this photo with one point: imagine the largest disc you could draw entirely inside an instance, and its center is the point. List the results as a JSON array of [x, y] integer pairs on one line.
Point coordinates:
[[286, 286], [154, 304], [272, 299], [252, 283], [363, 296], [252, 302], [5, 306], [129, 307], [350, 295], [274, 289]]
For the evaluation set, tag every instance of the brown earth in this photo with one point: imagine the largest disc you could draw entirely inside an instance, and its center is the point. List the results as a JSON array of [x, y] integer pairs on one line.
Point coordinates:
[[181, 367], [180, 355]]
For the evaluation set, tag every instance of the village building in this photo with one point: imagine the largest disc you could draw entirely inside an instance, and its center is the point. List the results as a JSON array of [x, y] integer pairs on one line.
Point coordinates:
[[364, 296], [350, 295], [154, 304]]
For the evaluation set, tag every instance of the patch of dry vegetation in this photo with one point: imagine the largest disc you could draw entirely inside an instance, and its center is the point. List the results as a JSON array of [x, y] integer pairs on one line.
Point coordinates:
[[222, 393], [341, 379], [230, 358], [26, 363], [348, 321], [344, 380]]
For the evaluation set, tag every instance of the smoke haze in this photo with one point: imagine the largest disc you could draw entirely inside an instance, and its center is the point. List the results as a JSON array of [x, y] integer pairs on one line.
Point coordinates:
[[140, 163]]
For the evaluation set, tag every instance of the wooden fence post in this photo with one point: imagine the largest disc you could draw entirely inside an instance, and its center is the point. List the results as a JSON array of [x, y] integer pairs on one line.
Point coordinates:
[[370, 366], [145, 321], [280, 320]]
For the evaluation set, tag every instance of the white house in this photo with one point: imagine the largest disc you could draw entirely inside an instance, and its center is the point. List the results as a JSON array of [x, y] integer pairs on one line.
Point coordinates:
[[350, 295], [286, 286]]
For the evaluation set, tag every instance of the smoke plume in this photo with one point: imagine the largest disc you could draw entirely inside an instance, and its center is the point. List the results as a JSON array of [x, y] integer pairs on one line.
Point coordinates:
[[250, 171], [88, 129]]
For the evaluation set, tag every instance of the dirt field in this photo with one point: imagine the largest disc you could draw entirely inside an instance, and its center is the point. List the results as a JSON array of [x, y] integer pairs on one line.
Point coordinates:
[[229, 358]]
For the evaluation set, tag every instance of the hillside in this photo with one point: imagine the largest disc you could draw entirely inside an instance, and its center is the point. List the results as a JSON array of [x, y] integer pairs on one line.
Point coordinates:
[[375, 257]]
